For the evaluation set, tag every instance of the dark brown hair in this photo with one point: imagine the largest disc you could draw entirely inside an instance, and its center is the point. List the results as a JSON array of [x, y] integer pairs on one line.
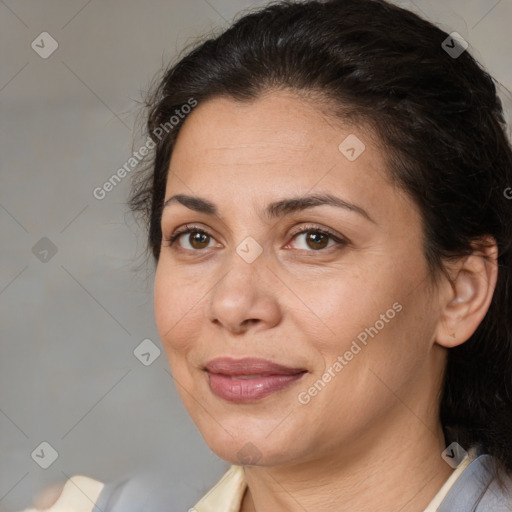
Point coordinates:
[[441, 123]]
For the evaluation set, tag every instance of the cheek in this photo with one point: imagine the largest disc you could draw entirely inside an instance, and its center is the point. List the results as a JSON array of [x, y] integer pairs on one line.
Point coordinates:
[[342, 306], [372, 321], [175, 305], [384, 352]]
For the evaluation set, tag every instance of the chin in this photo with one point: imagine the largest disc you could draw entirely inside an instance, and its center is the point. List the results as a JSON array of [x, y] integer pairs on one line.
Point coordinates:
[[247, 447]]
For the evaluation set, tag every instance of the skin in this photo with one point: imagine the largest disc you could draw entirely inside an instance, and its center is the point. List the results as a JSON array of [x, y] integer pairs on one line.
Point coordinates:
[[371, 438]]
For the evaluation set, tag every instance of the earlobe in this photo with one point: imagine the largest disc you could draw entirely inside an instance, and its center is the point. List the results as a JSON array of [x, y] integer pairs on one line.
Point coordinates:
[[468, 297]]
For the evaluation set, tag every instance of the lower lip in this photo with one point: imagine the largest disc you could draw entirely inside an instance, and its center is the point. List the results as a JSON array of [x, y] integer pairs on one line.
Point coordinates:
[[248, 390]]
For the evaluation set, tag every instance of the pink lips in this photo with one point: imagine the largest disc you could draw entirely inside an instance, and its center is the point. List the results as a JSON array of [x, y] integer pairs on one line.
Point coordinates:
[[248, 379]]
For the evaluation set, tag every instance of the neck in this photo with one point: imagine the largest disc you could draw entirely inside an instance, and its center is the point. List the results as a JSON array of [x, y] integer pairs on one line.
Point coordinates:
[[382, 471]]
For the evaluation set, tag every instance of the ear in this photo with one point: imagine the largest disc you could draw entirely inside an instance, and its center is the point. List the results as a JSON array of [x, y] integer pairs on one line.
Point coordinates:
[[468, 294]]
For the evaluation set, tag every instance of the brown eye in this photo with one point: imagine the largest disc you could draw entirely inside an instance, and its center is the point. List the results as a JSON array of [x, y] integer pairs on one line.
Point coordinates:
[[198, 240], [316, 240]]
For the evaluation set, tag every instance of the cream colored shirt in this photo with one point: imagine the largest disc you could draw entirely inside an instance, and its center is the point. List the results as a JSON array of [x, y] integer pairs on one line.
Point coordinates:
[[78, 495], [80, 492]]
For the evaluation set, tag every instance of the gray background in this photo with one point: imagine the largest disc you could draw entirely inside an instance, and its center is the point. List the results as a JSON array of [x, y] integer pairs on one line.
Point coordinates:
[[69, 325]]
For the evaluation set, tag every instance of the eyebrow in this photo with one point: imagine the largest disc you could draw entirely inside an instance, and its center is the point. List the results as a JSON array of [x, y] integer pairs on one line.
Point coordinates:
[[273, 210]]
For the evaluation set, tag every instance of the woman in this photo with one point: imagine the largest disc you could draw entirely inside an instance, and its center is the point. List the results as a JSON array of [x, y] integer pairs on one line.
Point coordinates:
[[328, 214]]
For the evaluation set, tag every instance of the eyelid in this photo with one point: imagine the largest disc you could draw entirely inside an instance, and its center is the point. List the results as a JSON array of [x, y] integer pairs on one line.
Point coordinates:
[[188, 228], [340, 239]]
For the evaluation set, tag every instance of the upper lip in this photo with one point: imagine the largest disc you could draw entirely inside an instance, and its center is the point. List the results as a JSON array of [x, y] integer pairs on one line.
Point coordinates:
[[249, 366]]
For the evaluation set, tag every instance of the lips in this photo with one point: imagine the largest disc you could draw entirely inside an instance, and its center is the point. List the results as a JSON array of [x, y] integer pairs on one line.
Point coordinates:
[[249, 366], [248, 379]]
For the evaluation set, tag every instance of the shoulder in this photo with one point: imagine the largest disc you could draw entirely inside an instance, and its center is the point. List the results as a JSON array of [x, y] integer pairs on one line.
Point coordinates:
[[150, 489], [477, 489], [80, 494], [497, 495]]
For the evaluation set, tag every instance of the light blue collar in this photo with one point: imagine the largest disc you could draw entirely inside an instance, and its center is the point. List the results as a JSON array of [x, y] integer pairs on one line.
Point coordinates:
[[476, 490]]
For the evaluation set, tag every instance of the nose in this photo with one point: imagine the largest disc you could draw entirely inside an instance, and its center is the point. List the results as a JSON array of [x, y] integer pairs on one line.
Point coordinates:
[[244, 297]]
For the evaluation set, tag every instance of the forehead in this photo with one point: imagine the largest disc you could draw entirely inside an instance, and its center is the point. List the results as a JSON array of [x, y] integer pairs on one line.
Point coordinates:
[[279, 129], [278, 145]]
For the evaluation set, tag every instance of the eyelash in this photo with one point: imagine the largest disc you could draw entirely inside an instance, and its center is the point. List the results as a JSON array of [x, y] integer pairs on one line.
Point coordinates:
[[307, 229]]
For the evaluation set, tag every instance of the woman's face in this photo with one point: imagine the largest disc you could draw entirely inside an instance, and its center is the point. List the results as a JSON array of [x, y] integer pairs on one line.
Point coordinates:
[[352, 316]]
